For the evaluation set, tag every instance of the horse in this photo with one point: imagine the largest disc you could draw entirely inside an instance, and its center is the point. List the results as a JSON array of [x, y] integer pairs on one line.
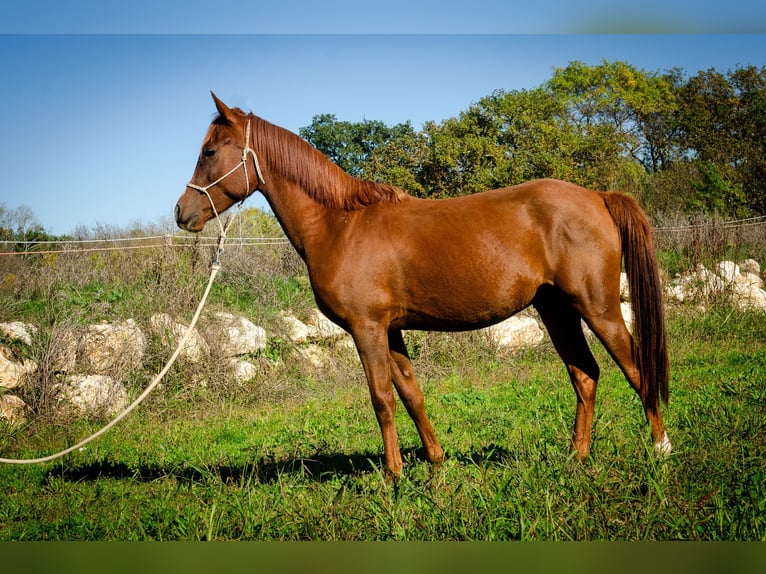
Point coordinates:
[[380, 260]]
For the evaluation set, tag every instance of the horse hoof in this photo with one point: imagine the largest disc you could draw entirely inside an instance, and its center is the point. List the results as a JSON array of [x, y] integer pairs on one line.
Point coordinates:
[[663, 448]]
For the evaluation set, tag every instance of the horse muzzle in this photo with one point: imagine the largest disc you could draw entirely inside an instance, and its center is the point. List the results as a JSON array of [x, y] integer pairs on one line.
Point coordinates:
[[188, 222]]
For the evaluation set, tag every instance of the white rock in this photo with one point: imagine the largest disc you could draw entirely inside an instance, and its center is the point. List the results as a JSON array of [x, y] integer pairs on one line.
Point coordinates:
[[13, 372], [234, 336], [750, 266], [699, 283], [93, 394], [727, 270], [624, 289], [314, 355], [742, 284], [675, 292], [516, 333], [12, 409], [627, 315], [751, 298], [325, 328], [171, 332], [748, 281], [19, 331], [296, 330], [242, 371], [112, 348]]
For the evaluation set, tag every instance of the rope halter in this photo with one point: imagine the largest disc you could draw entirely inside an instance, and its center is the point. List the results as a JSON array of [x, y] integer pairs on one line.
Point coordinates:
[[247, 150]]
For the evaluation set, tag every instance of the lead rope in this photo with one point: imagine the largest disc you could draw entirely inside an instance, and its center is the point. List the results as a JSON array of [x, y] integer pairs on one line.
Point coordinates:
[[215, 267]]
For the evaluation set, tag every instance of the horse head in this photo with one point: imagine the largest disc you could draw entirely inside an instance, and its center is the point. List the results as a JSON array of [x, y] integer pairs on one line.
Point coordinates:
[[221, 177]]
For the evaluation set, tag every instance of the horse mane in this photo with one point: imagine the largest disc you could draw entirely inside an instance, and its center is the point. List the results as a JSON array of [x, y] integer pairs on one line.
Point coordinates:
[[323, 180]]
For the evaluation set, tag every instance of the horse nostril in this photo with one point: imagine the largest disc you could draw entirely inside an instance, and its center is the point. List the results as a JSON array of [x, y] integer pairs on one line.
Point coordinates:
[[177, 213]]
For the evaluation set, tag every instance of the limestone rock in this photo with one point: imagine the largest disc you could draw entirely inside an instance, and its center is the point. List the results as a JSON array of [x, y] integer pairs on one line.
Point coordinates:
[[234, 336], [12, 409], [700, 283], [627, 315], [93, 395], [515, 333], [242, 370], [19, 331], [624, 289], [744, 288], [325, 329], [295, 329], [14, 371], [727, 270], [314, 355], [170, 333], [750, 266], [112, 348]]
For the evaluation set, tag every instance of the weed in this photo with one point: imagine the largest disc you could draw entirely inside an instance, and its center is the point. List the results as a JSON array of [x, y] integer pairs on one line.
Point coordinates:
[[295, 453]]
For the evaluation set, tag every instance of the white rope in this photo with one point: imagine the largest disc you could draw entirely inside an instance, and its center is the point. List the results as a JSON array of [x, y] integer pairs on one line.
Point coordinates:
[[215, 268], [213, 272]]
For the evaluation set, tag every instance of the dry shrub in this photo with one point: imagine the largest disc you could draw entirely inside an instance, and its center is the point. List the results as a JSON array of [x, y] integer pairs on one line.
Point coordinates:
[[686, 241]]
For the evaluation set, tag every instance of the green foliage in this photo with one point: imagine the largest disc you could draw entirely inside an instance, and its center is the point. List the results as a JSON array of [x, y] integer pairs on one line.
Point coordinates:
[[615, 103], [714, 194], [351, 144], [674, 142], [311, 469], [295, 453]]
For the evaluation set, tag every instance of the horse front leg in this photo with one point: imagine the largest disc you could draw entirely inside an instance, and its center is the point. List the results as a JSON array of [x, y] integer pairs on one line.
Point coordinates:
[[403, 376], [372, 345]]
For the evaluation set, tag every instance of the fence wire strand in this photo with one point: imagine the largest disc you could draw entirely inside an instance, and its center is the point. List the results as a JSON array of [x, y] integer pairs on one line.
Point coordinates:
[[168, 241], [187, 241]]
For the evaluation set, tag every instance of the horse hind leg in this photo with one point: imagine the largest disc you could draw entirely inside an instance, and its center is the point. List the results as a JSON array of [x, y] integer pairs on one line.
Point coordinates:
[[565, 330], [610, 328], [405, 382]]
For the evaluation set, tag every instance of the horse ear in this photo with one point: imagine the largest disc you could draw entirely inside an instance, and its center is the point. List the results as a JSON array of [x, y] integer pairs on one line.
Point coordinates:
[[222, 108]]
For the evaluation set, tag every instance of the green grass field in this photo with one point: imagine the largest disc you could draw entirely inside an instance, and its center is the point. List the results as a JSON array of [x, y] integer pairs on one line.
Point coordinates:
[[296, 454]]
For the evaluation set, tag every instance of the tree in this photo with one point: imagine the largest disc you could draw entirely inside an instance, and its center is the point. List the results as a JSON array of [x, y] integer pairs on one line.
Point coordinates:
[[622, 109], [723, 120], [750, 84], [694, 143], [21, 224], [503, 139], [349, 144], [399, 161], [707, 112]]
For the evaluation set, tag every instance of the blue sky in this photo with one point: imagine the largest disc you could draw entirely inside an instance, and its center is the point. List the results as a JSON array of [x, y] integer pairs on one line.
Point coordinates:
[[103, 117]]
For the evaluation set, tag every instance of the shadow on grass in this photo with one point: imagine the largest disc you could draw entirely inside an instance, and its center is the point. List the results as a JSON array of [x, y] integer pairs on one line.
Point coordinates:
[[319, 467]]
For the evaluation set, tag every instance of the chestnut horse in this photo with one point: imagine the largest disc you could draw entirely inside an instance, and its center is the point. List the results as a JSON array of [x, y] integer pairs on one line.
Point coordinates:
[[380, 261]]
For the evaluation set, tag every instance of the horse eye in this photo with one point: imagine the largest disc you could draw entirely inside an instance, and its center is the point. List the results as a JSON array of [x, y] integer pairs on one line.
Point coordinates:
[[208, 152]]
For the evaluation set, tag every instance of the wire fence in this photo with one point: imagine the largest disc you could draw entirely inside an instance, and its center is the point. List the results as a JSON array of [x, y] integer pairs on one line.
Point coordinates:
[[749, 221], [73, 246], [13, 247]]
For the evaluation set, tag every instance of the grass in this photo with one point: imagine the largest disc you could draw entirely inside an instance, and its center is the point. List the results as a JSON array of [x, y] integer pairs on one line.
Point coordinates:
[[199, 465], [296, 453]]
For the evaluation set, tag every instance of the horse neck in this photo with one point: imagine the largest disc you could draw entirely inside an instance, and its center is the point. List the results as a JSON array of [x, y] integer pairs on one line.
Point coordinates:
[[297, 177], [311, 196], [304, 221]]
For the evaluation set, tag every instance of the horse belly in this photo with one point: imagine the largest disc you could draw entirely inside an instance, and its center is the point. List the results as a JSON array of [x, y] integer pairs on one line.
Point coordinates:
[[455, 297]]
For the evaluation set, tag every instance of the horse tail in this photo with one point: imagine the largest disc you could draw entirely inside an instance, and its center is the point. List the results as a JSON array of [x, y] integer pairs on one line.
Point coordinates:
[[649, 337]]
